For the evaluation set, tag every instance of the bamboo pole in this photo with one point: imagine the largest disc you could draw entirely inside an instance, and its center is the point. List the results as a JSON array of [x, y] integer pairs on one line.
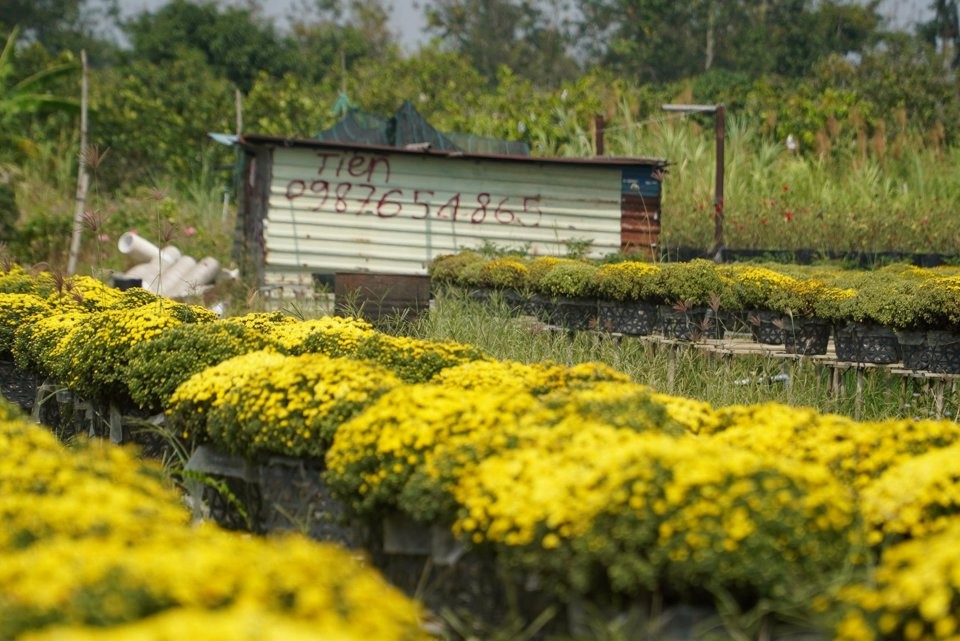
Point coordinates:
[[82, 177]]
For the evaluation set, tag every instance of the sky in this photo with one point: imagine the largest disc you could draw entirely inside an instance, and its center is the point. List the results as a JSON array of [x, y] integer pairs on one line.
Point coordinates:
[[407, 21]]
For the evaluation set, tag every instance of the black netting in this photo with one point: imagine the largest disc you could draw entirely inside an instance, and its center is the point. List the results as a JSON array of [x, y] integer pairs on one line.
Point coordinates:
[[408, 127]]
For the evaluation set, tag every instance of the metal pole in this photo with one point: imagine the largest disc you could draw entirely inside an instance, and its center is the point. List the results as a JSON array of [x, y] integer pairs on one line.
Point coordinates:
[[719, 119]]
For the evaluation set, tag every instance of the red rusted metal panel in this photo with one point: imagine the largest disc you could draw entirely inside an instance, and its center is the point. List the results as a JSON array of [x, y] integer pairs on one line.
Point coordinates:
[[379, 297], [639, 225]]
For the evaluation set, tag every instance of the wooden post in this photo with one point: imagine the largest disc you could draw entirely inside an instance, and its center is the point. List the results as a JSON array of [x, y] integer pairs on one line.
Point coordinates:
[[672, 366], [82, 178], [719, 119], [858, 403], [238, 107], [116, 424], [599, 126], [938, 385]]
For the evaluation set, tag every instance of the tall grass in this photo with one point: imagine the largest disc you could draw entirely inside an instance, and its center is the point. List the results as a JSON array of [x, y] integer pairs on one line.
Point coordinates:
[[847, 198], [190, 214], [680, 370]]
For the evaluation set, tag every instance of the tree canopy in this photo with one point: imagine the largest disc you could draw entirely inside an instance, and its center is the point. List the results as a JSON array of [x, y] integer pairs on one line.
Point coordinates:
[[534, 70]]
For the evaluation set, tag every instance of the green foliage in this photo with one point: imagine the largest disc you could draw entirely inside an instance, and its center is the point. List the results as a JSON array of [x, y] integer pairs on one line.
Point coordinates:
[[23, 98], [448, 269], [696, 283], [155, 120], [43, 237], [568, 278], [413, 360], [9, 212], [893, 296], [629, 281], [157, 367], [661, 41], [232, 41], [507, 273], [527, 40]]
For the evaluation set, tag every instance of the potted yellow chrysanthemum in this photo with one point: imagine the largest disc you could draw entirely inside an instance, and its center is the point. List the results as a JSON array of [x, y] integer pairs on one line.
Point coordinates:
[[629, 294]]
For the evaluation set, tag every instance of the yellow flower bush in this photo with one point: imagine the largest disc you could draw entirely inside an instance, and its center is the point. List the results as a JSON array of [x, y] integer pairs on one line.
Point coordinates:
[[407, 449], [247, 621], [536, 378], [295, 404], [914, 497], [264, 322], [15, 280], [109, 582], [90, 358], [505, 272], [630, 281], [91, 490], [655, 510], [330, 335], [696, 416], [563, 486], [86, 293], [913, 594], [155, 368], [754, 286], [17, 310], [802, 297], [93, 538], [618, 404], [205, 392], [337, 337], [856, 452], [412, 359], [35, 343]]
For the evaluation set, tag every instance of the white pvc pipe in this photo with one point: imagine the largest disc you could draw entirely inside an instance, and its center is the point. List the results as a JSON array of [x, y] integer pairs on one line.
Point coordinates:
[[138, 248], [203, 273], [170, 254], [149, 271], [143, 270], [170, 277]]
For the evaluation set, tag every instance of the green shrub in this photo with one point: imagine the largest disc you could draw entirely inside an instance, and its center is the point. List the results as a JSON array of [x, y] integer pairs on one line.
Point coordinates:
[[157, 367], [569, 278], [629, 281]]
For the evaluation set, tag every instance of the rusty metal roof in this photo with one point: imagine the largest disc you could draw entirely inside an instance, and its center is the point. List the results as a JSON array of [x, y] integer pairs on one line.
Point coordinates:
[[255, 140]]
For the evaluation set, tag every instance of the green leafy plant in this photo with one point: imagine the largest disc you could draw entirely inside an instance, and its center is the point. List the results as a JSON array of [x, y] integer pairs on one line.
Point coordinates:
[[630, 281], [157, 367], [570, 278], [449, 268], [695, 283], [504, 273]]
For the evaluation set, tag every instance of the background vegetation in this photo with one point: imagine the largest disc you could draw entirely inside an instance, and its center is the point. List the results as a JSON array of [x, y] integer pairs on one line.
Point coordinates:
[[874, 111]]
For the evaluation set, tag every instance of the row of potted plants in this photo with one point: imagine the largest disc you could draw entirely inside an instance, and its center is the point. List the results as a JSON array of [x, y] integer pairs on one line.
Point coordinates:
[[574, 476], [894, 313], [97, 544]]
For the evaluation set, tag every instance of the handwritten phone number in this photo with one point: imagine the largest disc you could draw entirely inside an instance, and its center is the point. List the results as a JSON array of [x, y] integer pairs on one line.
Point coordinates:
[[362, 198]]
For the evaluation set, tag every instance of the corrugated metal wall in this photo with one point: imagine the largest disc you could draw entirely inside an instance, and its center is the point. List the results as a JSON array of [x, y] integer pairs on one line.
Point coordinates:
[[336, 210]]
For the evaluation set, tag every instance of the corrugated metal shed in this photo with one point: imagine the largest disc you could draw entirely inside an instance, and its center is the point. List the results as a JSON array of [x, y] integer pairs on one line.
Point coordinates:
[[312, 207]]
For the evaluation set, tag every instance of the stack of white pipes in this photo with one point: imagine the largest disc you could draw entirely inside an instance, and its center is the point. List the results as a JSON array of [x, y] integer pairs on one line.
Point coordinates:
[[166, 271]]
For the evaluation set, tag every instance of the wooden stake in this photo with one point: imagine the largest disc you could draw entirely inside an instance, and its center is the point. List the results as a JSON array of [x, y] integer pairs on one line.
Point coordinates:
[[82, 178]]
